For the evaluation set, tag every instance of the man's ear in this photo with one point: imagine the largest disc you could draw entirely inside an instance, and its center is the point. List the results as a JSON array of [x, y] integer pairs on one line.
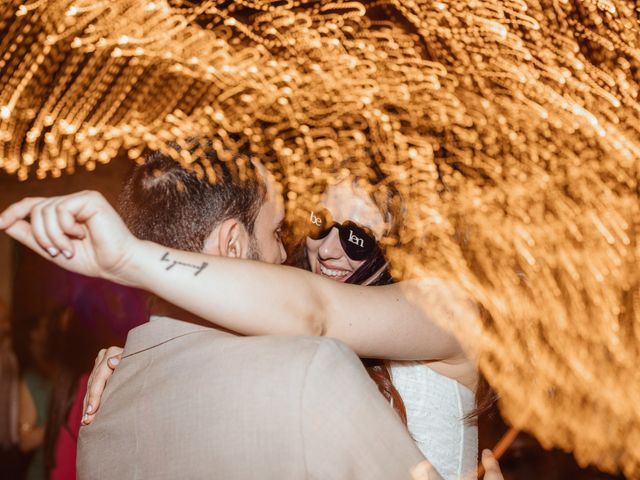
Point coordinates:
[[229, 239]]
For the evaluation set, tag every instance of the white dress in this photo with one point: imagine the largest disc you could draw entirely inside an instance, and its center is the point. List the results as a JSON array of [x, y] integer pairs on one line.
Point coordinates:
[[436, 406]]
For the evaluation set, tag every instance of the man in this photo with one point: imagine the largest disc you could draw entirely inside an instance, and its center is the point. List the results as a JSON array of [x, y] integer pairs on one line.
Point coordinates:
[[190, 401]]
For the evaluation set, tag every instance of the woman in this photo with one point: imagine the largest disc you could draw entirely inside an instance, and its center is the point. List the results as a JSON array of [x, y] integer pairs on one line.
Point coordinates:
[[438, 395], [72, 347], [35, 398]]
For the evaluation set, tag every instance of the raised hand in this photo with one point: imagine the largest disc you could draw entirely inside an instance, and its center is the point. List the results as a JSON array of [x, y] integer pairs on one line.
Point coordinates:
[[106, 361], [425, 471], [79, 232], [491, 467]]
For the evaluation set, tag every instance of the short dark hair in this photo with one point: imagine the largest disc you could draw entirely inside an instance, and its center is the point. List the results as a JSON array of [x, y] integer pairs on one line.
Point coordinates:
[[165, 203]]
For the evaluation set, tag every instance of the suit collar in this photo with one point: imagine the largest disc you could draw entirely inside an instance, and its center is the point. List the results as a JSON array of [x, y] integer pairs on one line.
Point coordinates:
[[160, 330]]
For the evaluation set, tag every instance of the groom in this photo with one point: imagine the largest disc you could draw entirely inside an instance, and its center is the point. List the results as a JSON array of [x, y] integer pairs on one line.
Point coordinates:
[[192, 401]]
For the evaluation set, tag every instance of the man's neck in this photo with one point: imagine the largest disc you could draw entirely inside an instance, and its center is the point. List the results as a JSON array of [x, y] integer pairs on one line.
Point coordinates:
[[162, 308]]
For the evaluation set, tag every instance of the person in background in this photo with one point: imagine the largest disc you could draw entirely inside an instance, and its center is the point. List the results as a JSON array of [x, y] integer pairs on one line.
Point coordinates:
[[71, 352], [57, 353], [34, 396], [12, 461]]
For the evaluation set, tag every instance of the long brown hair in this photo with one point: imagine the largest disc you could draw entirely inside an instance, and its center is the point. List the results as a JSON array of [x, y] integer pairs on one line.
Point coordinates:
[[378, 369], [388, 201], [486, 397], [379, 372]]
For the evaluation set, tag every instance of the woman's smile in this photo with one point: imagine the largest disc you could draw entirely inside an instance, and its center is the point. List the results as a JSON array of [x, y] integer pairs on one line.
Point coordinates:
[[339, 274]]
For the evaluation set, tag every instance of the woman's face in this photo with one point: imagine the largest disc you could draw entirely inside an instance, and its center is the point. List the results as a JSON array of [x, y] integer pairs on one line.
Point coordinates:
[[345, 201]]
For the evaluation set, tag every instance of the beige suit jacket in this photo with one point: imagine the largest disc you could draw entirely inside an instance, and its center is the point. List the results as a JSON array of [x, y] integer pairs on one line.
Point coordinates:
[[191, 402]]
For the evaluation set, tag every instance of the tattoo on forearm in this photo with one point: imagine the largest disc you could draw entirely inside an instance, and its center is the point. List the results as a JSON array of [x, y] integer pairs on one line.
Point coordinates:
[[173, 263]]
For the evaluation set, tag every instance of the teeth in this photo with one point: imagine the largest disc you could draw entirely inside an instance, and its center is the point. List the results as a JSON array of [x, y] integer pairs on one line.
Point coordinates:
[[332, 273]]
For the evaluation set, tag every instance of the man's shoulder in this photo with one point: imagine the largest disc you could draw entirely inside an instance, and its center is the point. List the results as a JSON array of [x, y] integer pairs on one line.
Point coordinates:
[[183, 343], [165, 331], [175, 346], [292, 348]]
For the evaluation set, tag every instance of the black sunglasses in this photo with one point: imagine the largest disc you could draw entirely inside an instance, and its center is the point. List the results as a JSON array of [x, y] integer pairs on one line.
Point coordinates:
[[358, 242]]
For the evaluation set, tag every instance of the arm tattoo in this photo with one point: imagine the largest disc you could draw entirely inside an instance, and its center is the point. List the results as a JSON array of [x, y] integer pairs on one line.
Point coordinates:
[[173, 263]]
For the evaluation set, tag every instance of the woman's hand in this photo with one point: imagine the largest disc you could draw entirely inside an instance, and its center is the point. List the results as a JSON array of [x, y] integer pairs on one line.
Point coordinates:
[[106, 362], [425, 471], [491, 467], [79, 232]]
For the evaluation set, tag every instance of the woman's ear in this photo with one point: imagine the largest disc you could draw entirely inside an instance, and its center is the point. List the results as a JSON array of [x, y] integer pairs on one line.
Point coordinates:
[[229, 239]]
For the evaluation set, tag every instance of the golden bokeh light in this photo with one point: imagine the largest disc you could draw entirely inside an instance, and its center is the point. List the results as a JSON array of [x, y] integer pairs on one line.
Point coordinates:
[[511, 128]]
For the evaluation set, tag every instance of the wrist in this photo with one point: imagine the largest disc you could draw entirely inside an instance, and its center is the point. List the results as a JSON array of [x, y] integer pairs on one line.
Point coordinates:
[[128, 271]]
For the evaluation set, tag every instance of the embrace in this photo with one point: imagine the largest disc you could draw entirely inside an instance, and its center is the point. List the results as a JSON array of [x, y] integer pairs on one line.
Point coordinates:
[[247, 368]]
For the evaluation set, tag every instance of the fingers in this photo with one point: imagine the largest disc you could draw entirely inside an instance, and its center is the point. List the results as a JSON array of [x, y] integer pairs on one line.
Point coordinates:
[[68, 222], [60, 225], [54, 224], [106, 361], [18, 211], [51, 224], [114, 361], [424, 471], [21, 232], [31, 232], [97, 361], [491, 466], [85, 401], [52, 221], [40, 231]]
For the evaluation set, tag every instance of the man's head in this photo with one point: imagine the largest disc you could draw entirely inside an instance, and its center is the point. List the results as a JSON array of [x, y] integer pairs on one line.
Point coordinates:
[[164, 203]]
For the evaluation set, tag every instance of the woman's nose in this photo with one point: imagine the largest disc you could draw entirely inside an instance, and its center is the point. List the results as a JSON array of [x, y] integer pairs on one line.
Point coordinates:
[[331, 246]]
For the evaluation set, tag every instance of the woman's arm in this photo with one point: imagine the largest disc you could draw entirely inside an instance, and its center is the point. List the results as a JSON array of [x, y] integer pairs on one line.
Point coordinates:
[[253, 298], [82, 232]]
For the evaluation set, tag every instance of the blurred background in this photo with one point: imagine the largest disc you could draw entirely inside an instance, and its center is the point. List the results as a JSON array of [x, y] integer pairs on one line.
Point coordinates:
[[52, 324]]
